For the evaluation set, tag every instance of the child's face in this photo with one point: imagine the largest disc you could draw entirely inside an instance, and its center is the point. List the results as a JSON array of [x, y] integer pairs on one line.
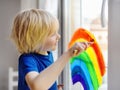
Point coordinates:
[[51, 42]]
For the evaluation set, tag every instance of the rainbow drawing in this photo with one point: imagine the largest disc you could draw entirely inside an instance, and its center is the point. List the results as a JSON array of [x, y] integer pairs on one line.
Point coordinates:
[[88, 67]]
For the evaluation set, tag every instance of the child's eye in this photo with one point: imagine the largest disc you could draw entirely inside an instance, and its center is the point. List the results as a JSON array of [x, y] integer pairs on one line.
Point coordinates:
[[53, 34]]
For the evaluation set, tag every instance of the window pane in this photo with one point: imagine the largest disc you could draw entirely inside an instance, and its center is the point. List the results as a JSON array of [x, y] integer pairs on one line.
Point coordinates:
[[87, 14]]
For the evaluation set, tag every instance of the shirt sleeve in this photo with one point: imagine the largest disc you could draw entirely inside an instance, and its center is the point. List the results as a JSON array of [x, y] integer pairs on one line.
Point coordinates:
[[27, 64]]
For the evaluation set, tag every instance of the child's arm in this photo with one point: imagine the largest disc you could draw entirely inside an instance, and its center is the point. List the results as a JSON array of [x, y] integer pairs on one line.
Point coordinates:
[[44, 79]]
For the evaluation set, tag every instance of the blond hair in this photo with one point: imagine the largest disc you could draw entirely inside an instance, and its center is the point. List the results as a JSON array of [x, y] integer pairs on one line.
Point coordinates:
[[31, 28]]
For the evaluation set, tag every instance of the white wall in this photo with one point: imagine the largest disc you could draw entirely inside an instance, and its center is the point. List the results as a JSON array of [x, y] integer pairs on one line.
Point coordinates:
[[114, 45], [8, 54]]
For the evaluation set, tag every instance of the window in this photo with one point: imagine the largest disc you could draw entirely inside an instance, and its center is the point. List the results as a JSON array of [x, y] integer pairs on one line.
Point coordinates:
[[87, 14], [76, 14]]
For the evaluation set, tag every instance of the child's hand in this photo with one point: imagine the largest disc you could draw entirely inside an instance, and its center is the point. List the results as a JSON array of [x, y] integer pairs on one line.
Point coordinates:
[[60, 87], [78, 47]]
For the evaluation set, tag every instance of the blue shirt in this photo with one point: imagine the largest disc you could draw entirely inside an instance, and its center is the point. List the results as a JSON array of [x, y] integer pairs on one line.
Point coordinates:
[[33, 62]]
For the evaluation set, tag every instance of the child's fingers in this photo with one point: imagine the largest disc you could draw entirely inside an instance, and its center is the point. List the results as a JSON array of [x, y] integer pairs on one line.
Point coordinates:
[[87, 44], [82, 46], [90, 43]]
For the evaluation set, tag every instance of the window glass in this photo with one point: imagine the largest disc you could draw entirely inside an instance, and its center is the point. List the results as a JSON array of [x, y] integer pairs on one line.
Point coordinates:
[[87, 14]]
